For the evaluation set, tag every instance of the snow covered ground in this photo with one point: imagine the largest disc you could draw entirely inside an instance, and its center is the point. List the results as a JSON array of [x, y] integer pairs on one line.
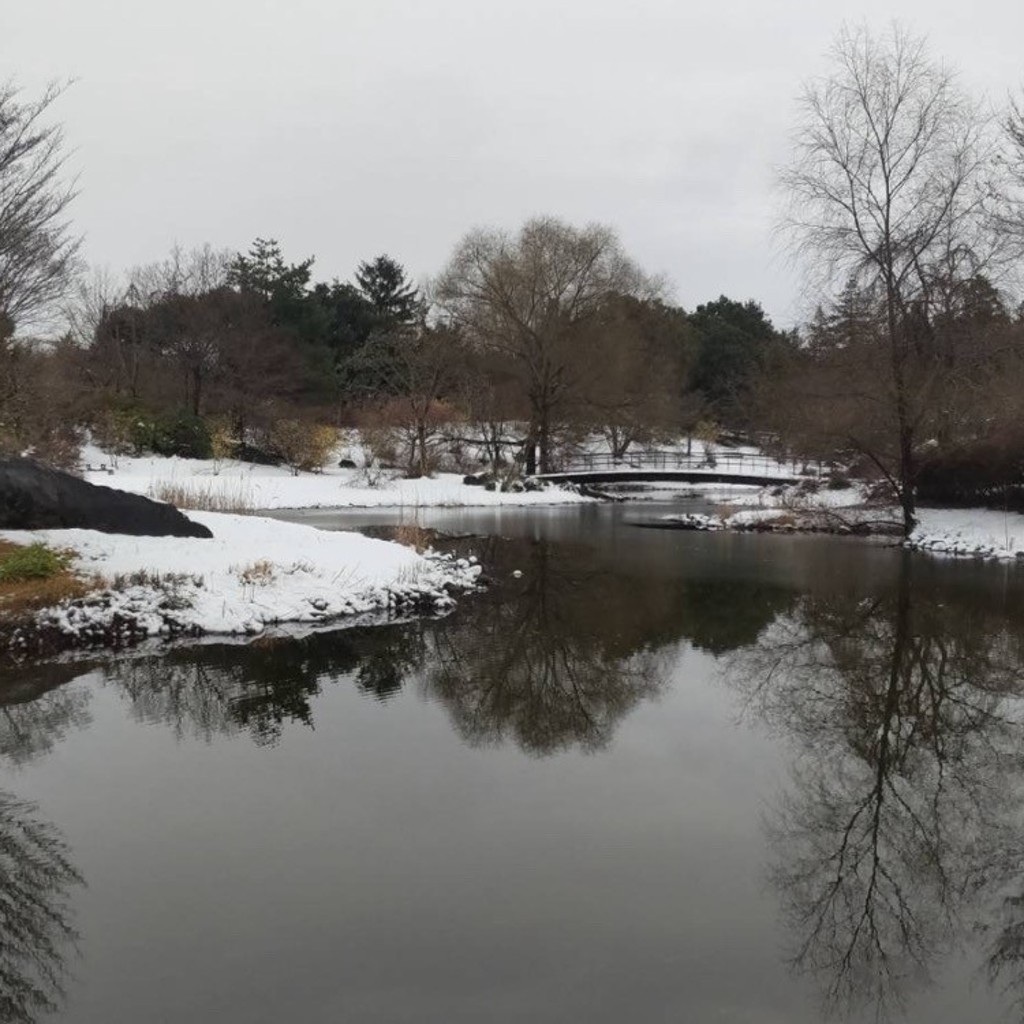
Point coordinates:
[[978, 532], [274, 487], [254, 572], [965, 532]]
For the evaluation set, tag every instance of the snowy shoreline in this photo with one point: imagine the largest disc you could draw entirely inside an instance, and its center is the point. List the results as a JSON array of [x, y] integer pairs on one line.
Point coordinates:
[[956, 532], [274, 488], [252, 574]]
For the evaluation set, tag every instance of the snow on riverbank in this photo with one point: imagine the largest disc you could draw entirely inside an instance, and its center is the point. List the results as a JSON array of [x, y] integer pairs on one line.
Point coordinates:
[[274, 487], [254, 572], [964, 532], [976, 532]]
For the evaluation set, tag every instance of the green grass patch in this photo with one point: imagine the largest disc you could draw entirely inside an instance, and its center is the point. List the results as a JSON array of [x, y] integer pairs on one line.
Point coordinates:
[[35, 562]]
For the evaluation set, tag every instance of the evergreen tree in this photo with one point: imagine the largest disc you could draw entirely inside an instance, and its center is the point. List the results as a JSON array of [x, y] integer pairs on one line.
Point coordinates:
[[735, 338], [395, 300], [264, 271]]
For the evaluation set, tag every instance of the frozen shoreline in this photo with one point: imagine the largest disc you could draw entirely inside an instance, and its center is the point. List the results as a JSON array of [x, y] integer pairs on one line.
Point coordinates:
[[255, 572], [960, 532]]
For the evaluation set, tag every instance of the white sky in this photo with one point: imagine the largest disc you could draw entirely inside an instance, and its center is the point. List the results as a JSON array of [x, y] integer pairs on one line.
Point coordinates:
[[347, 129]]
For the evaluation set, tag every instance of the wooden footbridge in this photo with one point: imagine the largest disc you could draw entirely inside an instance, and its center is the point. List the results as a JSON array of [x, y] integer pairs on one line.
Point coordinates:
[[678, 467]]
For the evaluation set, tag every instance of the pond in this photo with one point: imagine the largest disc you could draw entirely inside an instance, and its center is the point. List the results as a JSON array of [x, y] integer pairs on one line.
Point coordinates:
[[647, 775]]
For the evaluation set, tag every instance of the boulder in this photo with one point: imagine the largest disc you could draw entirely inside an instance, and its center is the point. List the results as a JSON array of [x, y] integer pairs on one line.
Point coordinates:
[[35, 497]]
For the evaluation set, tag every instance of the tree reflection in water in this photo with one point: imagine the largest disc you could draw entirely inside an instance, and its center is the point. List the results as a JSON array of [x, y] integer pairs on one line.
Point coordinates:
[[901, 826], [36, 875], [551, 661], [900, 831], [29, 729], [259, 687], [554, 665]]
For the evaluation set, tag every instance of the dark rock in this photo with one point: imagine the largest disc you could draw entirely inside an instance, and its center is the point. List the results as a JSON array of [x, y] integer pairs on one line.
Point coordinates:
[[256, 455], [477, 479], [347, 464], [35, 497]]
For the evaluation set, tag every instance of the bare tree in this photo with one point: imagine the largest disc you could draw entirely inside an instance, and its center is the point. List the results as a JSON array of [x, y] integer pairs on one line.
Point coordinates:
[[37, 248], [95, 295], [632, 392], [416, 372], [190, 272], [493, 405], [532, 297], [1011, 209], [886, 189], [187, 309]]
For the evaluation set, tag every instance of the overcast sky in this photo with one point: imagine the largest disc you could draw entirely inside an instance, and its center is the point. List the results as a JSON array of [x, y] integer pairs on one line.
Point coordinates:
[[347, 129]]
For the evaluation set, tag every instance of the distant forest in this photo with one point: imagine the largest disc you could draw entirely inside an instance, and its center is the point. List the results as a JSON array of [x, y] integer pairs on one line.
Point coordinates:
[[905, 205]]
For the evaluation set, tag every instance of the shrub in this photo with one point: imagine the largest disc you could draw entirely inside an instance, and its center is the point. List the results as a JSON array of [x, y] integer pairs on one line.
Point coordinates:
[[35, 562], [116, 428], [303, 447], [222, 442], [380, 446], [183, 434], [132, 429]]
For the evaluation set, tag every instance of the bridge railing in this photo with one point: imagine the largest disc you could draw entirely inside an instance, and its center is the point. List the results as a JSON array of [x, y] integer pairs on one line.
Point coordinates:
[[739, 463]]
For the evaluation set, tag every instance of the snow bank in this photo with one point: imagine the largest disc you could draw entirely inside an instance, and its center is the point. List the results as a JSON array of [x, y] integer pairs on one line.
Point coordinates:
[[977, 532], [274, 487], [784, 518], [971, 532], [776, 497], [254, 572]]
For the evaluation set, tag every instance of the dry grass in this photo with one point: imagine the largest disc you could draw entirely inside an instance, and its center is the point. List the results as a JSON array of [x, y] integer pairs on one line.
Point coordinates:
[[237, 498], [259, 574], [19, 598], [153, 580], [412, 535]]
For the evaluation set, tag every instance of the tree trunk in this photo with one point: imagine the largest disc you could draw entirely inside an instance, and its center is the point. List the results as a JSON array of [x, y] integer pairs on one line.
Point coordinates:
[[530, 446], [908, 500], [197, 389], [904, 427], [421, 437], [544, 441]]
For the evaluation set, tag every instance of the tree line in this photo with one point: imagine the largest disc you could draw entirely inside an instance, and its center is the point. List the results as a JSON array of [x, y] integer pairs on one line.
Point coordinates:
[[525, 344], [905, 203]]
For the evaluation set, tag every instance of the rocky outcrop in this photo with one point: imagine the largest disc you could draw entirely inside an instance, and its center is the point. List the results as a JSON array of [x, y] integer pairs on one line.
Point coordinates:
[[35, 497]]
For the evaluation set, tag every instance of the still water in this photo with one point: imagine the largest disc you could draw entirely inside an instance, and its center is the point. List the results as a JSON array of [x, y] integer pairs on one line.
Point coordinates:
[[658, 776]]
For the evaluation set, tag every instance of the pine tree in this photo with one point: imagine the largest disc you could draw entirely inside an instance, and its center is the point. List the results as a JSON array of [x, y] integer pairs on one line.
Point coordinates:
[[396, 301]]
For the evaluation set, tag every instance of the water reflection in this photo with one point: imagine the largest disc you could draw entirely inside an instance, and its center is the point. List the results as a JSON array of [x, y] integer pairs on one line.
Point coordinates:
[[551, 659], [896, 693], [29, 729], [36, 876], [900, 831], [555, 665], [260, 687]]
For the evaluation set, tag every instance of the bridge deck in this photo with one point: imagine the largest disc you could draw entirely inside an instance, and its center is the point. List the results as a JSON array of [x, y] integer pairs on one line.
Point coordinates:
[[708, 476], [725, 468]]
